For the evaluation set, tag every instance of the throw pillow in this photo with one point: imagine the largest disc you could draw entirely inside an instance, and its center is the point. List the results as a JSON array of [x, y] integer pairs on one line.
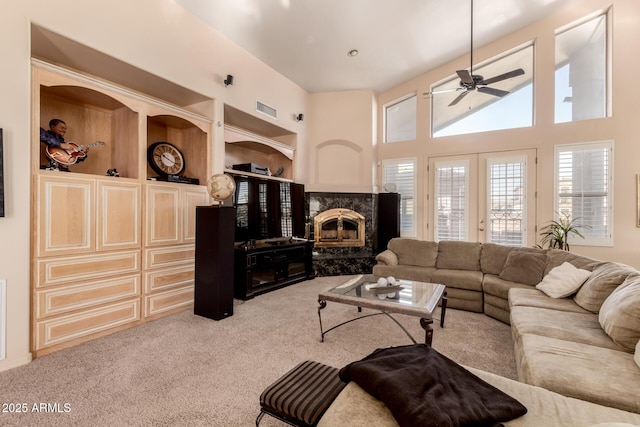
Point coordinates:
[[524, 266], [562, 281], [620, 314], [603, 280]]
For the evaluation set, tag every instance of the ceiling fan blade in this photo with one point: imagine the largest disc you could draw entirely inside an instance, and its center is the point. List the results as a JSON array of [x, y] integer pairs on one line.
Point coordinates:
[[493, 91], [465, 76], [510, 74], [458, 98]]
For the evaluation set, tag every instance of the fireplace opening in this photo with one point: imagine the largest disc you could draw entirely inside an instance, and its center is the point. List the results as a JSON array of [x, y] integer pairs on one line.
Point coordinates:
[[339, 227]]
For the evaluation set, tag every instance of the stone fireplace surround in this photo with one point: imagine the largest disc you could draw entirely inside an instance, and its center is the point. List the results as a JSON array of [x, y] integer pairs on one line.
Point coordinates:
[[334, 261]]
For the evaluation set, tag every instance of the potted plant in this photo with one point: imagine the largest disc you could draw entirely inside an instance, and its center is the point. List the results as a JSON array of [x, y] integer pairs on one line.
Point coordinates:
[[555, 235]]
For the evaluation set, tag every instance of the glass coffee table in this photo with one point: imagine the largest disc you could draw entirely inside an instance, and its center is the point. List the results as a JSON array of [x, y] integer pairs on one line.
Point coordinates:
[[408, 297]]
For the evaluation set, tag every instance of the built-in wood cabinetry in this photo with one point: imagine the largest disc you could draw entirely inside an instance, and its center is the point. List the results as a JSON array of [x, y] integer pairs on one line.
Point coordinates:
[[110, 252]]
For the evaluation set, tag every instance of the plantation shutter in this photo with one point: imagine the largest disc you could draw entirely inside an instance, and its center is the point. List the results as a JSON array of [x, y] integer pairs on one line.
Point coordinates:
[[583, 176], [451, 200], [401, 172]]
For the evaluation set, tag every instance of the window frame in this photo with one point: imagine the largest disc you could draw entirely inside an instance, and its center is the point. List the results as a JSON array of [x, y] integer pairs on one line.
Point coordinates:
[[588, 240]]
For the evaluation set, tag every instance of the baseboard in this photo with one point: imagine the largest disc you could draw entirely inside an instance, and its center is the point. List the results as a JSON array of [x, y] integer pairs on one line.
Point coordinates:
[[5, 365]]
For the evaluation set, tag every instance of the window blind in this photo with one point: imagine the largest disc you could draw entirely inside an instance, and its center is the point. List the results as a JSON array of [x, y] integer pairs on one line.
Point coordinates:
[[451, 216]]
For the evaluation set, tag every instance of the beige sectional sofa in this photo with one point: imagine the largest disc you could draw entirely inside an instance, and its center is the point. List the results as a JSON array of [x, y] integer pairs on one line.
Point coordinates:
[[583, 345]]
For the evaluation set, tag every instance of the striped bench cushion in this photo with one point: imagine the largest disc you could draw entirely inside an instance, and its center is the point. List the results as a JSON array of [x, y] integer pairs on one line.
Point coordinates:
[[303, 394]]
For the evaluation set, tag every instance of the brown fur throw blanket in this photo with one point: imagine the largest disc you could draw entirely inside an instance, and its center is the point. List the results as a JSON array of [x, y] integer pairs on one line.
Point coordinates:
[[421, 387]]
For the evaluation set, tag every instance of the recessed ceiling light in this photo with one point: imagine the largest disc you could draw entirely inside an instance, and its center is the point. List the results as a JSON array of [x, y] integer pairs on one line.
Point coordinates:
[[353, 52]]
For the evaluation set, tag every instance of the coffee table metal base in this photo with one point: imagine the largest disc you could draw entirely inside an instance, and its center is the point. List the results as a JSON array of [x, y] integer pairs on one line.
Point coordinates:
[[426, 324]]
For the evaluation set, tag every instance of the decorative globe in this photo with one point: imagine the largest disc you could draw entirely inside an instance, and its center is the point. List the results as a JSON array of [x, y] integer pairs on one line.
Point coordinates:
[[221, 186]]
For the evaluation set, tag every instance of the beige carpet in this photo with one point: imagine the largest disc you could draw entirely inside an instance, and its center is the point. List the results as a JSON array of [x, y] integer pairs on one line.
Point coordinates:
[[186, 370]]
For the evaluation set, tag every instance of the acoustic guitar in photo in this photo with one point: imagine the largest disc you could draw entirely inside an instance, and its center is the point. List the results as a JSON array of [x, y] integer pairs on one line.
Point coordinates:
[[70, 157]]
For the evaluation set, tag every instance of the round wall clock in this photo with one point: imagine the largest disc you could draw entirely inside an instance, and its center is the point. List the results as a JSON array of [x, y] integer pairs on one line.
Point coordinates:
[[165, 158]]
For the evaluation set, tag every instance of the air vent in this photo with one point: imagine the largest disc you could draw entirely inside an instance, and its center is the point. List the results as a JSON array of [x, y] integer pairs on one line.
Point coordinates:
[[265, 109]]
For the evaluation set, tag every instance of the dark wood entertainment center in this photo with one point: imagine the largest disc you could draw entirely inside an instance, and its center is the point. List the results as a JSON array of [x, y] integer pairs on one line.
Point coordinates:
[[271, 264]]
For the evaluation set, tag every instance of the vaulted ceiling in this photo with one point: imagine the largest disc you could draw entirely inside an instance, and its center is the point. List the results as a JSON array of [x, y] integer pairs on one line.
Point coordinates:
[[308, 40]]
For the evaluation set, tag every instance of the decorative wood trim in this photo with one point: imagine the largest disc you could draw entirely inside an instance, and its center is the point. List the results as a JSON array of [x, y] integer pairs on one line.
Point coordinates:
[[234, 134]]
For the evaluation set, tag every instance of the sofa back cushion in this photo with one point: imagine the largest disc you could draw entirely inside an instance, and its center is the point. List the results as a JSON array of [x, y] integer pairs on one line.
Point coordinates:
[[557, 257], [493, 257], [603, 280], [620, 314], [525, 265], [414, 252], [456, 255]]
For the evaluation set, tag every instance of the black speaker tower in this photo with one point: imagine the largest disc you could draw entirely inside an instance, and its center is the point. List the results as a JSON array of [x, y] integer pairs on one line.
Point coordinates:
[[214, 261]]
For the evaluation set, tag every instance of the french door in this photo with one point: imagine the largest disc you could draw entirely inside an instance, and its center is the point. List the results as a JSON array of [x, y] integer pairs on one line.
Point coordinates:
[[487, 197]]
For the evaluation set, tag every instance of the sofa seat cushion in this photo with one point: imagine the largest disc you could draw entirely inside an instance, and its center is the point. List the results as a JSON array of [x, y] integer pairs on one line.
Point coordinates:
[[414, 252], [494, 285], [456, 255], [575, 327], [409, 272], [354, 407], [595, 374], [493, 257], [524, 266], [620, 314], [603, 280], [535, 298], [461, 279]]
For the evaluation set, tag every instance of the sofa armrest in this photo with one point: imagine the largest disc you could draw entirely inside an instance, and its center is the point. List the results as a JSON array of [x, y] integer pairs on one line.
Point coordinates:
[[388, 257]]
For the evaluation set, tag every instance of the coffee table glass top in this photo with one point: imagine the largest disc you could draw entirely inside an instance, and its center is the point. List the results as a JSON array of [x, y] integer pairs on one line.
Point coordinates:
[[413, 297]]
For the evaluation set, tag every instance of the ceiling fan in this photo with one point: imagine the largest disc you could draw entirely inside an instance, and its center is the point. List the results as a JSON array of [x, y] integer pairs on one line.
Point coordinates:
[[470, 82]]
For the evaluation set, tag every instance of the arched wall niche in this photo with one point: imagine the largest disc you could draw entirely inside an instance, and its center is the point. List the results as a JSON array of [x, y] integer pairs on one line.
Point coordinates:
[[342, 163]]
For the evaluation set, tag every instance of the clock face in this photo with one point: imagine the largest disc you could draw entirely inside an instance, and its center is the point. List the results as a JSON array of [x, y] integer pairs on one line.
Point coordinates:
[[165, 158]]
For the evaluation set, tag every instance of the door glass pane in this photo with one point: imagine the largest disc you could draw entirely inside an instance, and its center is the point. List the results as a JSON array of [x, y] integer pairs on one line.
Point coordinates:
[[581, 72], [286, 217], [506, 204], [451, 183]]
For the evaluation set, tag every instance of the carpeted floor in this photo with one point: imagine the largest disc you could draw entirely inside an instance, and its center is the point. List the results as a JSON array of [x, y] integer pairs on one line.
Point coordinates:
[[186, 370]]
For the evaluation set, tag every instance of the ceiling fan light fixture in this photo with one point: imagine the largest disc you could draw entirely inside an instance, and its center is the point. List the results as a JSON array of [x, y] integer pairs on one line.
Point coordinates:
[[353, 52]]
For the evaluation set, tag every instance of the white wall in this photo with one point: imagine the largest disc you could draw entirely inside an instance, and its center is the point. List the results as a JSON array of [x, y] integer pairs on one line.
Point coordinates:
[[154, 35], [341, 141], [544, 135]]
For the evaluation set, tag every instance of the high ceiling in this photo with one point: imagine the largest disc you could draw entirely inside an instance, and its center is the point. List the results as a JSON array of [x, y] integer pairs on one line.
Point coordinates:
[[308, 40]]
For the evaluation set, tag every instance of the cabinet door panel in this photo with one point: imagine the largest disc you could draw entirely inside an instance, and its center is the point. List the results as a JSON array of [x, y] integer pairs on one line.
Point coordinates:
[[163, 215], [55, 271], [169, 256], [67, 298], [66, 215], [118, 215], [66, 328], [173, 300], [192, 197]]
